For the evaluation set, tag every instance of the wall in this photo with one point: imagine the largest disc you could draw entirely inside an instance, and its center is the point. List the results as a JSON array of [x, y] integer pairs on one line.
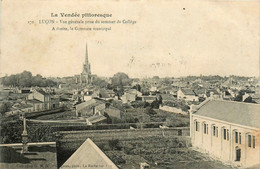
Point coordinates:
[[73, 139], [172, 110], [225, 149]]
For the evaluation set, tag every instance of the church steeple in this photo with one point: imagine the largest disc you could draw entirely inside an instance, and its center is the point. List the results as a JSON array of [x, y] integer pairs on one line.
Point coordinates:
[[86, 57]]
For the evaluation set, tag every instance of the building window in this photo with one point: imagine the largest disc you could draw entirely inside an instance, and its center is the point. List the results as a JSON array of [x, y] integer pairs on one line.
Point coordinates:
[[197, 127], [236, 137], [225, 134], [205, 128], [249, 140], [253, 141], [239, 138], [215, 131]]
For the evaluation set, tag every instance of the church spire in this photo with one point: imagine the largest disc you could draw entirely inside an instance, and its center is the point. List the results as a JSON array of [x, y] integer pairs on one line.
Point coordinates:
[[86, 57]]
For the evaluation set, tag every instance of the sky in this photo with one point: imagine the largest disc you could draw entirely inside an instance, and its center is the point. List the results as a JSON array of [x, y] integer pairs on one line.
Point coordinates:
[[170, 38]]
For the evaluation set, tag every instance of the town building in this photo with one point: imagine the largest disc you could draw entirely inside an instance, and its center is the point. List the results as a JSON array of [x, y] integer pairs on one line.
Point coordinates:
[[187, 94], [227, 130], [85, 77], [96, 107], [40, 100]]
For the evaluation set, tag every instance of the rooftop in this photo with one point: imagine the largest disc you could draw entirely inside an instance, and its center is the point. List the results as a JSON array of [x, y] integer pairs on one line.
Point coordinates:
[[247, 114], [187, 91]]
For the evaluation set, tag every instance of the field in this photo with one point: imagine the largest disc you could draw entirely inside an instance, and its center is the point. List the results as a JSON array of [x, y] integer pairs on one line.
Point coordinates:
[[162, 153]]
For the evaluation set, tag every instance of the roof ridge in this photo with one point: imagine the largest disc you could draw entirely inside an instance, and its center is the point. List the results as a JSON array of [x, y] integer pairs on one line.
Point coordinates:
[[237, 102]]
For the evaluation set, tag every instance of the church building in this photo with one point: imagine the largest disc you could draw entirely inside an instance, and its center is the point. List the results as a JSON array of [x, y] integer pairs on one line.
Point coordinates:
[[85, 76]]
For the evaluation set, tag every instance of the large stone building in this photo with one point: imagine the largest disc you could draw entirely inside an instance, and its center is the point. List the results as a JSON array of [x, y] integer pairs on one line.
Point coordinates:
[[227, 130], [85, 76]]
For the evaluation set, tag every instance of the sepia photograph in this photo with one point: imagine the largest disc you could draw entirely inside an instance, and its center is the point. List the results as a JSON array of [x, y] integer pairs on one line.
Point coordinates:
[[130, 84]]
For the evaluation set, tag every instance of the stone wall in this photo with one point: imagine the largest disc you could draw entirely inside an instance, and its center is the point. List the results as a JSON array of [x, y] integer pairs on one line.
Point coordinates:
[[73, 139]]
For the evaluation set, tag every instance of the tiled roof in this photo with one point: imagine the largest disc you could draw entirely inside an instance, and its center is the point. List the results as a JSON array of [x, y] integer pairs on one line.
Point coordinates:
[[89, 103], [187, 91], [34, 101], [247, 114]]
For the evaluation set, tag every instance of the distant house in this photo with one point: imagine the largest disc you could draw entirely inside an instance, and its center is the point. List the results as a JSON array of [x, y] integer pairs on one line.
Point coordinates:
[[167, 97], [254, 96], [95, 119], [40, 100], [104, 94], [187, 94], [148, 99], [89, 108], [88, 155], [96, 107], [130, 95], [227, 130], [19, 108], [212, 93]]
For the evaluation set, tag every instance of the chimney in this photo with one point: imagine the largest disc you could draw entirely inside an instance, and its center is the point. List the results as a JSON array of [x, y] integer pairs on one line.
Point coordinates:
[[24, 137]]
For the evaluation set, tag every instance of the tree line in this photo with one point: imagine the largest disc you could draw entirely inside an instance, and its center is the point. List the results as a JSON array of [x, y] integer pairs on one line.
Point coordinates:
[[26, 79]]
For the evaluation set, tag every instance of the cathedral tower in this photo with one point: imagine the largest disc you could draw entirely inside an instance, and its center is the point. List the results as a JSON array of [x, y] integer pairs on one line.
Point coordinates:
[[86, 73]]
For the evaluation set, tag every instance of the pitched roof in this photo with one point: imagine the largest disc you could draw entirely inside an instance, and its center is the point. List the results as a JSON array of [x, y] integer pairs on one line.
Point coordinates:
[[34, 101], [89, 103], [41, 91], [246, 114], [96, 118], [187, 91], [88, 154]]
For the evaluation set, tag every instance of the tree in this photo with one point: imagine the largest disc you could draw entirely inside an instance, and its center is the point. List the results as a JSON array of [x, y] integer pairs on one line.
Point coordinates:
[[137, 87], [149, 111], [25, 79], [120, 79], [100, 82], [159, 98], [155, 104], [3, 108]]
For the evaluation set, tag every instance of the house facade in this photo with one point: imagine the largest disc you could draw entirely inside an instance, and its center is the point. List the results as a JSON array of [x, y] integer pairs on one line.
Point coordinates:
[[40, 100], [187, 94], [227, 130]]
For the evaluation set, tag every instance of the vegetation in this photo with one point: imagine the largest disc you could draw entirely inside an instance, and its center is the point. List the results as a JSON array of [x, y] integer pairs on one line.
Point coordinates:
[[25, 79], [120, 79], [99, 82]]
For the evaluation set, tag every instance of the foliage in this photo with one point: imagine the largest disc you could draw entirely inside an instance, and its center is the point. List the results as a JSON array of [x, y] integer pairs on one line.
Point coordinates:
[[4, 107], [137, 87], [25, 79], [109, 120], [11, 132], [150, 111], [100, 82], [155, 104], [120, 79], [114, 144], [140, 104]]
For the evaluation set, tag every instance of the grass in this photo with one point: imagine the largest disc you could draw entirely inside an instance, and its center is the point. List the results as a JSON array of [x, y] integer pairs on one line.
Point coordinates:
[[164, 153], [66, 115]]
